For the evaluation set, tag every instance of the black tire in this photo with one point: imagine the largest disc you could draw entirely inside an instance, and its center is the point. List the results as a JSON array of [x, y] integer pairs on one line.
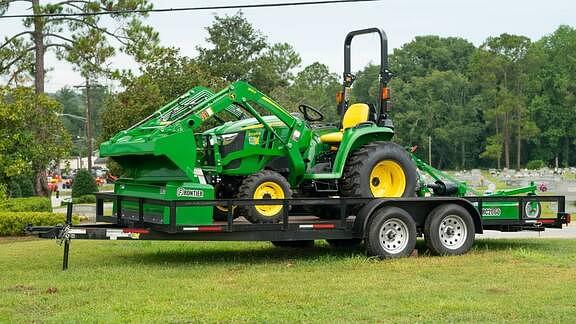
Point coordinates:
[[391, 233], [248, 188], [449, 230], [344, 243], [225, 189], [356, 180], [220, 213], [293, 244]]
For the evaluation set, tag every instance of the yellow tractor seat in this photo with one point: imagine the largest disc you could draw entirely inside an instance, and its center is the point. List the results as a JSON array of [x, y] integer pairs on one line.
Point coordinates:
[[355, 114]]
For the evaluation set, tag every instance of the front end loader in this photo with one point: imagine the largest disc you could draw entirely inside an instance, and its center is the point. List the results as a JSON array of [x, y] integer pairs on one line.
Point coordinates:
[[240, 143]]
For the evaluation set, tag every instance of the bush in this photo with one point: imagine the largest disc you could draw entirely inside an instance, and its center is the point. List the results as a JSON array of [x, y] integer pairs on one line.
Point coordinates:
[[3, 191], [86, 199], [26, 186], [31, 204], [535, 165], [84, 184], [14, 190], [13, 223]]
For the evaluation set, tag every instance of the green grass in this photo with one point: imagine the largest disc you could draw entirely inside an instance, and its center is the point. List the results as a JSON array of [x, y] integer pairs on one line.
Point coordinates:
[[112, 281]]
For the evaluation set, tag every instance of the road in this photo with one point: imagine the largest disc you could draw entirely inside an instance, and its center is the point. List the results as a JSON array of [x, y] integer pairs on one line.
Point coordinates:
[[568, 232]]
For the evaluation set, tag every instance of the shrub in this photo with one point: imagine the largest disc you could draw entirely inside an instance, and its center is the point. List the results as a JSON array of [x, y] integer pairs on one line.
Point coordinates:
[[26, 186], [30, 204], [535, 165], [86, 199], [14, 190], [3, 191], [84, 184], [13, 223]]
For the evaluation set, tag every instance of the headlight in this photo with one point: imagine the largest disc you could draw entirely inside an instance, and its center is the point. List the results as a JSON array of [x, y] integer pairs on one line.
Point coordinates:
[[228, 138]]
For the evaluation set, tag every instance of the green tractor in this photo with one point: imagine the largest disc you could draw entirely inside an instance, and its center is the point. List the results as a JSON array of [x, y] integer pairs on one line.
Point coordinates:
[[239, 143]]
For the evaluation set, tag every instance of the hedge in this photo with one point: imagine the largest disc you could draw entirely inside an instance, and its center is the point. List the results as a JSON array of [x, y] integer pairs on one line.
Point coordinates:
[[13, 223], [30, 204], [86, 199]]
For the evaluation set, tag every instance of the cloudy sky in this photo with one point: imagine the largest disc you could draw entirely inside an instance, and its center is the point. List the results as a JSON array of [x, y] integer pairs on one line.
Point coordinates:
[[317, 32]]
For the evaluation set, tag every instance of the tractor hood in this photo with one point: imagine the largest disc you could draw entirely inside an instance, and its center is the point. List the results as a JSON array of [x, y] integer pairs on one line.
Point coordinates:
[[244, 124]]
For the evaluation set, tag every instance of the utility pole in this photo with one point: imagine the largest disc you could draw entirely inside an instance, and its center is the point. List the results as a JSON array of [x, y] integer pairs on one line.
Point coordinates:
[[87, 86]]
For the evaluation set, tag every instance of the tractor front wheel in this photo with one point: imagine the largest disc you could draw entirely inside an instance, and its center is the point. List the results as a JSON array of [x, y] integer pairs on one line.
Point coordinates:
[[380, 169], [265, 184]]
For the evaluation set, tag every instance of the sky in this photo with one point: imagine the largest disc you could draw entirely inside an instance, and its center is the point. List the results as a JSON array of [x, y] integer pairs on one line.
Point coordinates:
[[317, 32]]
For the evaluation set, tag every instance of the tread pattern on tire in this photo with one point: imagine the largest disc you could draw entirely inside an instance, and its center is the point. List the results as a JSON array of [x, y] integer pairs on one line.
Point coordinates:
[[246, 191], [351, 185]]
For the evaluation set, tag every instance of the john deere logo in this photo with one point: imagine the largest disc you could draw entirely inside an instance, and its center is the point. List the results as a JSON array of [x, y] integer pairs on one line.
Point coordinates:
[[186, 192]]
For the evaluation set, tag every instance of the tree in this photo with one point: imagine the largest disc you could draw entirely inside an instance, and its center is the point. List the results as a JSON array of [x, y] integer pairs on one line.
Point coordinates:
[[21, 152], [235, 48], [552, 107], [82, 40], [165, 75], [238, 51], [316, 86], [501, 65], [274, 68], [438, 105], [428, 53], [84, 184]]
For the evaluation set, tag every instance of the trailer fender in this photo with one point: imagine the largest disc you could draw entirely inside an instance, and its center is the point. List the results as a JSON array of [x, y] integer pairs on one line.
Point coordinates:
[[418, 208]]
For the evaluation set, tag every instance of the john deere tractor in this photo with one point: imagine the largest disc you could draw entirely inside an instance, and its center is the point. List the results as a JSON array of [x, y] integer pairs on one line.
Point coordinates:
[[239, 143]]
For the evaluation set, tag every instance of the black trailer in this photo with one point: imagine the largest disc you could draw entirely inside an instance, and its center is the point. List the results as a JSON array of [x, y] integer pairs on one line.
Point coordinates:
[[388, 227]]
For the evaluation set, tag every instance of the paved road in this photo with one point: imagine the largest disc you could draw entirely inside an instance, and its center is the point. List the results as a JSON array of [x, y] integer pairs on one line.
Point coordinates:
[[568, 232]]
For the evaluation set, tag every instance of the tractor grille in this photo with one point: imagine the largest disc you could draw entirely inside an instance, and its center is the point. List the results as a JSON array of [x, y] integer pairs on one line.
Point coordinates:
[[236, 145]]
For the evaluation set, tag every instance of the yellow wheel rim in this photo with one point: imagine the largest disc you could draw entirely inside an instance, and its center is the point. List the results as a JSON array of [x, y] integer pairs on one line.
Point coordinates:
[[268, 190], [387, 179]]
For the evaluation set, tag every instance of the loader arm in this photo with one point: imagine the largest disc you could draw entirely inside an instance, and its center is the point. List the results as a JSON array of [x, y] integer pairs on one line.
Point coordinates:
[[244, 95]]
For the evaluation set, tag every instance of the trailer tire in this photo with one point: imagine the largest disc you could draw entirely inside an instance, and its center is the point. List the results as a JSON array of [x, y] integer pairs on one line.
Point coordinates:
[[380, 169], [344, 243], [391, 233], [304, 244], [266, 184], [449, 230]]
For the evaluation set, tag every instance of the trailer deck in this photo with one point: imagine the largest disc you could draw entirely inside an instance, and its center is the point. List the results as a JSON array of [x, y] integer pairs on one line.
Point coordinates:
[[357, 218]]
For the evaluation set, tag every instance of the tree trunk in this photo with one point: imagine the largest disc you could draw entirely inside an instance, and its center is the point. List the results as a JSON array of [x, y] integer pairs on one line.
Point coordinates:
[[566, 162], [499, 159], [506, 134], [518, 137], [463, 156], [88, 126], [518, 151], [41, 184]]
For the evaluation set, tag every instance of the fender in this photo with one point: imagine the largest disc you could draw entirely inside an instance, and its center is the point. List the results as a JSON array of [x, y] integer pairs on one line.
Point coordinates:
[[353, 138], [419, 208]]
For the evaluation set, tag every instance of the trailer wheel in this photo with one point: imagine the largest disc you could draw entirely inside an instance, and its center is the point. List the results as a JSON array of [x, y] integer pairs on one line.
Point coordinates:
[[293, 244], [449, 230], [265, 184], [344, 243], [391, 234], [381, 169]]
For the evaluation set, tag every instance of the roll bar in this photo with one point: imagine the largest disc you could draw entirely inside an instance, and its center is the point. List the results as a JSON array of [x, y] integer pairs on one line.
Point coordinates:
[[383, 77]]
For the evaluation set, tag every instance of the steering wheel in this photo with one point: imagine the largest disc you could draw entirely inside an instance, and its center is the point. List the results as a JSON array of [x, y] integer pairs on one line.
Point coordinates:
[[314, 117]]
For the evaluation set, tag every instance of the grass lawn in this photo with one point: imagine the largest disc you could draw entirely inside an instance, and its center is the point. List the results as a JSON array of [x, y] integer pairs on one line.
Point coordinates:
[[112, 281]]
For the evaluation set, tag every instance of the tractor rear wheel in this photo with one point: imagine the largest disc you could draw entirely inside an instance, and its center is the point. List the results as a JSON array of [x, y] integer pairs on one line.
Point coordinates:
[[265, 184], [380, 169]]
